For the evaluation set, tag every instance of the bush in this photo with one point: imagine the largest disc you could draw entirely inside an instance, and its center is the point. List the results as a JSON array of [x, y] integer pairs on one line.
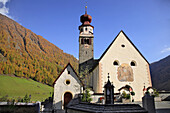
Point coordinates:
[[86, 96], [83, 98], [26, 99], [124, 94], [132, 93], [19, 99], [4, 98], [128, 96]]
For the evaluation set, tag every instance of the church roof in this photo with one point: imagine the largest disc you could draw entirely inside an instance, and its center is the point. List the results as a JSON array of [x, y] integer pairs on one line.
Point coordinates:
[[113, 42], [73, 71]]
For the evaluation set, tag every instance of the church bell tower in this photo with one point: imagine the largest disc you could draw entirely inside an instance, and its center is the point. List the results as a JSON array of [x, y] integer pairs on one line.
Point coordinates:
[[85, 42]]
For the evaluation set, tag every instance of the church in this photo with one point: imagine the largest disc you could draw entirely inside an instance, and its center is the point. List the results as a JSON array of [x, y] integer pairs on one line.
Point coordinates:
[[121, 61]]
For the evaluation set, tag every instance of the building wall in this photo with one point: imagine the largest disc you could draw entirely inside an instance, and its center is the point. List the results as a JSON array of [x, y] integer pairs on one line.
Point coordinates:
[[60, 87], [124, 55], [85, 50], [95, 74]]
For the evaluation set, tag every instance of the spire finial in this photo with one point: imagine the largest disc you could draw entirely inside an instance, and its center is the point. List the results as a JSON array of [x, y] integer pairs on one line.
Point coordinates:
[[108, 76], [86, 9]]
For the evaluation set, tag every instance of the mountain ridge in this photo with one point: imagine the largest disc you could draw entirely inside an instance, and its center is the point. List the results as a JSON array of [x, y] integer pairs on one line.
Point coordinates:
[[160, 74], [24, 53]]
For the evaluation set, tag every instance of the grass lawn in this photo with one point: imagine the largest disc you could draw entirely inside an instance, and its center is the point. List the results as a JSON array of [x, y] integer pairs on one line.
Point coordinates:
[[16, 87]]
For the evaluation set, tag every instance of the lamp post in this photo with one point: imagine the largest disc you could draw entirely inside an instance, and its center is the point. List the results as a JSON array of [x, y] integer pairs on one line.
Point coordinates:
[[109, 92]]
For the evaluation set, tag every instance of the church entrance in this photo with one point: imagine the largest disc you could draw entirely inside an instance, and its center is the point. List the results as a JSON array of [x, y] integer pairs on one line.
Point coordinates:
[[67, 98]]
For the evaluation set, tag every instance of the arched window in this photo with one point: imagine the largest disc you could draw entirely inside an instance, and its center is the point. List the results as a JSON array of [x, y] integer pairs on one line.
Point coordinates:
[[86, 41], [133, 63], [82, 41], [116, 63]]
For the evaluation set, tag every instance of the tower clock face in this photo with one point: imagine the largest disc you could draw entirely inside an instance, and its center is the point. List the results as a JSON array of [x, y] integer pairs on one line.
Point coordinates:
[[125, 73], [86, 45]]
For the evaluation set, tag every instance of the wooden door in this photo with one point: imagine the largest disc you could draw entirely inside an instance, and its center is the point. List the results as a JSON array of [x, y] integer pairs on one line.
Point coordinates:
[[67, 98]]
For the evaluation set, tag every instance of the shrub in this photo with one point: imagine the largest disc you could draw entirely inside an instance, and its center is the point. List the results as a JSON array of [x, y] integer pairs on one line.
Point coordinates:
[[128, 96], [132, 93], [86, 96], [4, 98], [26, 99], [124, 94]]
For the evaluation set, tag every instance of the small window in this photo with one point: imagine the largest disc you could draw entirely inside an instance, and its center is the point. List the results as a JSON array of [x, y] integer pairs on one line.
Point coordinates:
[[68, 72], [82, 41], [87, 41], [123, 45], [67, 82], [115, 63], [90, 41], [133, 63], [86, 28], [81, 30]]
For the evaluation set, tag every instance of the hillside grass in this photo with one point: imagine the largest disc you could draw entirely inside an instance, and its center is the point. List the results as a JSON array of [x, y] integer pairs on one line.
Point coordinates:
[[16, 87]]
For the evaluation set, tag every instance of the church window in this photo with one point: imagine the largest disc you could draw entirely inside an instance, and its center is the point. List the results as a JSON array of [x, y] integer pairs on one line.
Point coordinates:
[[123, 45], [133, 63], [82, 41], [81, 30], [67, 82], [86, 28], [116, 63], [87, 41], [68, 72], [90, 41]]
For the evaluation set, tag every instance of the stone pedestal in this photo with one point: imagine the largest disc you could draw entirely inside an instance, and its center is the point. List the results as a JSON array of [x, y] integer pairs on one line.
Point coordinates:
[[148, 103]]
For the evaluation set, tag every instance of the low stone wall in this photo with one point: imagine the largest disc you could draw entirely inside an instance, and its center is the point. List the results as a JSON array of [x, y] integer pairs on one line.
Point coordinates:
[[95, 97], [19, 107], [164, 95]]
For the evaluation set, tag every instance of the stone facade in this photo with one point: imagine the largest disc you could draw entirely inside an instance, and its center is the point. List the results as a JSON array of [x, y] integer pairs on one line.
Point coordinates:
[[85, 47], [67, 82]]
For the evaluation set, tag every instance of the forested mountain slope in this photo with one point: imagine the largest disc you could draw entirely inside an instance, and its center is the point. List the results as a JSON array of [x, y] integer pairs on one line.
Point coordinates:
[[25, 54]]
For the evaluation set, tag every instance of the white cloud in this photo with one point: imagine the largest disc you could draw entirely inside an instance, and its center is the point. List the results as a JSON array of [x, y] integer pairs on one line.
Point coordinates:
[[3, 9], [166, 50]]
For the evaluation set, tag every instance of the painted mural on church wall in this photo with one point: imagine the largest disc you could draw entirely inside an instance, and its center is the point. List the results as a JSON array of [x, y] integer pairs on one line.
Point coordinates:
[[125, 73]]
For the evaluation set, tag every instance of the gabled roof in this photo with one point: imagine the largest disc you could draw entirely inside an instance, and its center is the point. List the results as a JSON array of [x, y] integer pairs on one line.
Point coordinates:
[[112, 43], [63, 71], [128, 40]]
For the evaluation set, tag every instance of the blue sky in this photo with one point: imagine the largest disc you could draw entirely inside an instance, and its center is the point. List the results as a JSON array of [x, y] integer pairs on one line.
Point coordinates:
[[145, 22]]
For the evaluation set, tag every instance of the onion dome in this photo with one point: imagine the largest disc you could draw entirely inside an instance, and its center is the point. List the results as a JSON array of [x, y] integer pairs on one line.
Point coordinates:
[[85, 19]]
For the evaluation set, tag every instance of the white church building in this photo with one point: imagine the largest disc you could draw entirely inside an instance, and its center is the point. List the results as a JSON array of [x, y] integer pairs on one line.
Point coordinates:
[[122, 60]]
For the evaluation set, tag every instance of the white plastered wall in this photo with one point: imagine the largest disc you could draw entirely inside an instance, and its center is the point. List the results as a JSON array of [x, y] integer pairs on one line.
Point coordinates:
[[125, 54], [60, 87]]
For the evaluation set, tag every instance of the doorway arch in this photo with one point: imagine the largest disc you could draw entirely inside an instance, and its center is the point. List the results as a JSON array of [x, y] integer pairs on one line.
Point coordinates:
[[67, 98]]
